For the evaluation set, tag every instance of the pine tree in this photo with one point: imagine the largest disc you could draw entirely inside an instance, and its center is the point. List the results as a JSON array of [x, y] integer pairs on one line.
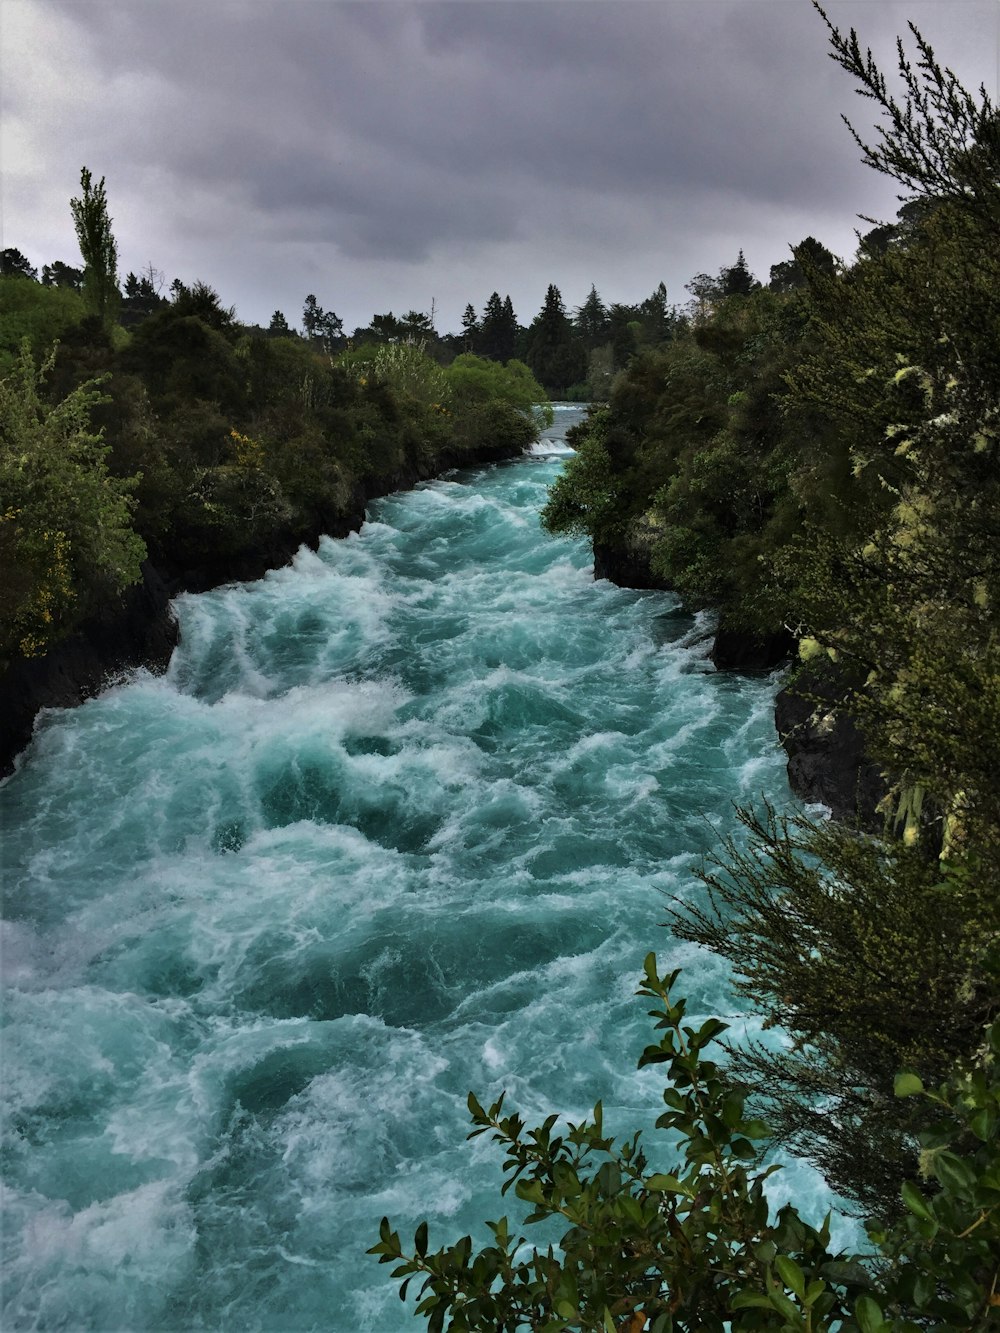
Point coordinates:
[[470, 329], [320, 325], [58, 274], [15, 265], [737, 280], [658, 320], [509, 330], [591, 319], [491, 331], [557, 357]]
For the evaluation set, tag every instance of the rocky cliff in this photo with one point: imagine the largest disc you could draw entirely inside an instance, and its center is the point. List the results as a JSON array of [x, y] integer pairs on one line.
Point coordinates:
[[138, 629]]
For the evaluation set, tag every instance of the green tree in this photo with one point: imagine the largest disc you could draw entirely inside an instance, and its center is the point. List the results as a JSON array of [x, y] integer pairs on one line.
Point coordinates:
[[474, 379], [40, 314], [98, 248], [660, 322], [279, 325], [809, 258], [498, 329], [555, 354], [321, 325], [737, 280], [15, 265], [624, 328], [65, 530], [416, 325], [705, 292], [141, 298], [940, 142], [829, 936], [58, 274], [591, 319], [470, 329]]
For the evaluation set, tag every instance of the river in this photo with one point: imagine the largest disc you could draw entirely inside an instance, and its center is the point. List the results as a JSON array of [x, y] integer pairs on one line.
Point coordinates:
[[400, 820]]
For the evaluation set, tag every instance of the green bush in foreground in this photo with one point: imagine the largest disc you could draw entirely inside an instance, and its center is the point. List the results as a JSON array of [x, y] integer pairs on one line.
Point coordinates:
[[694, 1247]]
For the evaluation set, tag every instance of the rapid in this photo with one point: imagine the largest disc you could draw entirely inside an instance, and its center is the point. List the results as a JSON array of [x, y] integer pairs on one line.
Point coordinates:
[[401, 820]]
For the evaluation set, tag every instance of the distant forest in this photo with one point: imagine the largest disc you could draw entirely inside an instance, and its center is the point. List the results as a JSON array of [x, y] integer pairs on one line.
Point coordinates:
[[573, 355]]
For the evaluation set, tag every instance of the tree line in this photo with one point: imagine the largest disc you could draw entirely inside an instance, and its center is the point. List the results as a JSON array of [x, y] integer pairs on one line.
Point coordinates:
[[574, 354], [138, 426]]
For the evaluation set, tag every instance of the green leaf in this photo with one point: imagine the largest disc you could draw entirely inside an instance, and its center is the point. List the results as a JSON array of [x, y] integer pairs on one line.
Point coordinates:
[[665, 1184], [906, 1085], [954, 1174], [530, 1191], [814, 1291], [784, 1306], [915, 1202], [869, 1315], [792, 1275], [750, 1300], [847, 1274], [709, 1030]]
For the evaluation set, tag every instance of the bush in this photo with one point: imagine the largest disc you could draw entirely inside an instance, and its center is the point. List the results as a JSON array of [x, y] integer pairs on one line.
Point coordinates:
[[66, 526], [694, 1248]]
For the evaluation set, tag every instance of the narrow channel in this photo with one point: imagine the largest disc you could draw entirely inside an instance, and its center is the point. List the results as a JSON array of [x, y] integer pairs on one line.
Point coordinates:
[[400, 821]]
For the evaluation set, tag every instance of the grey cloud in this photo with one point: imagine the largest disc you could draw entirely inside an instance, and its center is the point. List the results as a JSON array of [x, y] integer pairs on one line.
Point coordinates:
[[408, 134]]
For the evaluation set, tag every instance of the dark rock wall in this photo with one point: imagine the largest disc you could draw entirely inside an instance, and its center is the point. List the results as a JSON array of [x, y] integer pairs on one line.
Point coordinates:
[[140, 630], [826, 758], [826, 752]]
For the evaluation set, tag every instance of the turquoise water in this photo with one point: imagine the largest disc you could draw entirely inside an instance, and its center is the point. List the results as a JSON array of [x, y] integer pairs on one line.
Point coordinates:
[[399, 822]]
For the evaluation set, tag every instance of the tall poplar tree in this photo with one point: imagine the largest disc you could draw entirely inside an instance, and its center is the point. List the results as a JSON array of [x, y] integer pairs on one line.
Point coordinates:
[[97, 246]]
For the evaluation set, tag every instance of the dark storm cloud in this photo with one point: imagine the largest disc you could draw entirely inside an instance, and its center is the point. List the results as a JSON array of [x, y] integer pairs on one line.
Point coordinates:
[[422, 134]]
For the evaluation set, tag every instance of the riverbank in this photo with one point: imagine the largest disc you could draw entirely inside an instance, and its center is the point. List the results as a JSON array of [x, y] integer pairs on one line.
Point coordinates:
[[826, 757], [139, 629]]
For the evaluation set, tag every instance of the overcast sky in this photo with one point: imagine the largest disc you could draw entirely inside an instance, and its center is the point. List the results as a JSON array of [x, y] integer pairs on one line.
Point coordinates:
[[383, 155]]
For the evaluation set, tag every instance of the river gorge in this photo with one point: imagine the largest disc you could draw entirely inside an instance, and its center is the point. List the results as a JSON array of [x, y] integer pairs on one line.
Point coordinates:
[[400, 820]]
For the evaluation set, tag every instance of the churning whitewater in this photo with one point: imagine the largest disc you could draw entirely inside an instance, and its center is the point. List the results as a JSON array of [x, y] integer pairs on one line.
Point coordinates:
[[400, 821]]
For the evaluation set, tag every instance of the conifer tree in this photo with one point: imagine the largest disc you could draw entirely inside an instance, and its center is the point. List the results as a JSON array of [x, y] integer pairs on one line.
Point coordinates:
[[509, 329], [591, 319], [557, 357], [470, 329], [737, 280], [498, 331], [15, 265]]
